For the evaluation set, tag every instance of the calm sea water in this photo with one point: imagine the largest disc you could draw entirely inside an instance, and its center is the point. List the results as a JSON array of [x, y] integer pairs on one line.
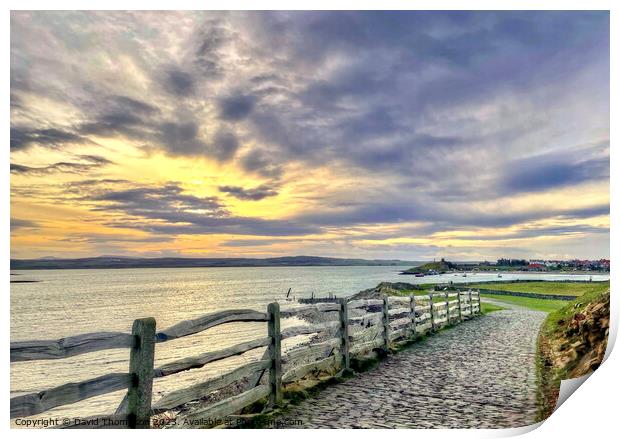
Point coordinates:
[[70, 302]]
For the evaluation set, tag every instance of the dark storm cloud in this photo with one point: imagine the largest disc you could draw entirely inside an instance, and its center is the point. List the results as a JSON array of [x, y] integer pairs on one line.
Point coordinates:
[[443, 216], [235, 225], [538, 174], [224, 145], [15, 101], [112, 124], [18, 223], [534, 232], [525, 231], [401, 156], [95, 159], [366, 111], [131, 105], [252, 194], [488, 218], [213, 37], [179, 82], [261, 162], [372, 108], [24, 137], [236, 107], [211, 41], [121, 115], [141, 121], [181, 138], [185, 139], [586, 212], [89, 163], [168, 210], [158, 202]]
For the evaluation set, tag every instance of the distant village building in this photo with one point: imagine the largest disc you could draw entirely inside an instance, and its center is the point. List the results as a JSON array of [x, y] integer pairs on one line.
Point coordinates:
[[546, 265]]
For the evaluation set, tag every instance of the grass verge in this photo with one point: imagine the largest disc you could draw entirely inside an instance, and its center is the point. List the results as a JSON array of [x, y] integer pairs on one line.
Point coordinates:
[[545, 305], [559, 288], [490, 307]]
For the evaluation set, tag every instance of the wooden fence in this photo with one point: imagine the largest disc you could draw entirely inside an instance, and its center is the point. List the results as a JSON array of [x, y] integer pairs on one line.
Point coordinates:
[[345, 330]]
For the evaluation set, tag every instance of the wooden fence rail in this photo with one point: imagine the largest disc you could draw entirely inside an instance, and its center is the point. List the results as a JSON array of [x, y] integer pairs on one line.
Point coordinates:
[[346, 330]]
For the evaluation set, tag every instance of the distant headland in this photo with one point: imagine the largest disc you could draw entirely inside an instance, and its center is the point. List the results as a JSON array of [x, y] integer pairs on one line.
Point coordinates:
[[131, 262]]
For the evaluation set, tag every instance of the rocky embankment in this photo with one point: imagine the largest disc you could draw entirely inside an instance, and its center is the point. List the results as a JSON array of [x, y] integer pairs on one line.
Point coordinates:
[[378, 291], [572, 343], [582, 347]]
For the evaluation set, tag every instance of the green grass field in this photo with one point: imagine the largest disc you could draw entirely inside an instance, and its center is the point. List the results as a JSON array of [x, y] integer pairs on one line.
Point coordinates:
[[490, 307], [584, 289], [563, 288], [546, 305]]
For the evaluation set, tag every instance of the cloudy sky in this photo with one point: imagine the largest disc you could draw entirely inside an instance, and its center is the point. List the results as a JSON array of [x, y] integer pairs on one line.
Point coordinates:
[[407, 135]]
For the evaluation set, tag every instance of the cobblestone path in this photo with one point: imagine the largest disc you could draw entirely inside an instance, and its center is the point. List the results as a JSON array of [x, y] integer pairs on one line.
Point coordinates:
[[480, 374]]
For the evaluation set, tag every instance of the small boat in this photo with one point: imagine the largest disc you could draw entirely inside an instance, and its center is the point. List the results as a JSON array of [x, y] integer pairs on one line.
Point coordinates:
[[465, 275]]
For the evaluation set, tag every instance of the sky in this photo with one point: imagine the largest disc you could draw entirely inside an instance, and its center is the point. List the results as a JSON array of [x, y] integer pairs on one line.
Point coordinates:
[[411, 135]]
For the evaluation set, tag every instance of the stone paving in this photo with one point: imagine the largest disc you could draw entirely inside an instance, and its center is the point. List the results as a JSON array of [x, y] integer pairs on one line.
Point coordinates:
[[480, 374]]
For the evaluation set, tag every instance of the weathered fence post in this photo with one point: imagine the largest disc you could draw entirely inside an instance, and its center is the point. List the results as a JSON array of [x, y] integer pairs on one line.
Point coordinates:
[[141, 359], [386, 322], [458, 298], [471, 304], [275, 354], [412, 308], [479, 303], [430, 301], [344, 333], [447, 309]]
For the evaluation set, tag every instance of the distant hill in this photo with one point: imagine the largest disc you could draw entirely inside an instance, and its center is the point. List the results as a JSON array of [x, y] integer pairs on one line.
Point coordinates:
[[132, 262], [438, 267]]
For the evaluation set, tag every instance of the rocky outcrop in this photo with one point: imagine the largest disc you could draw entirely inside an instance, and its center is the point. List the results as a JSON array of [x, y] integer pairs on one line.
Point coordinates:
[[581, 346], [379, 290]]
